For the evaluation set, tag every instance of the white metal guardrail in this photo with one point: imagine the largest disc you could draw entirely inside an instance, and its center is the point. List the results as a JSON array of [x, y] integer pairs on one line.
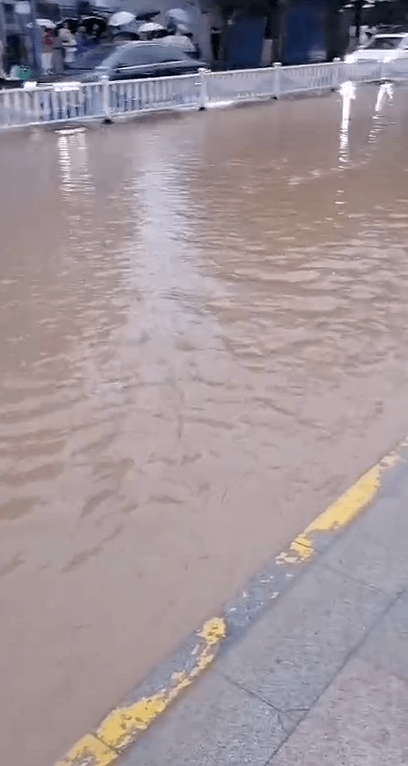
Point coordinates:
[[127, 97], [74, 102]]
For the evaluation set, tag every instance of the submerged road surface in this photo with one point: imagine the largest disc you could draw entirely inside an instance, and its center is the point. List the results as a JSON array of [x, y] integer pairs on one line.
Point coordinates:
[[203, 342]]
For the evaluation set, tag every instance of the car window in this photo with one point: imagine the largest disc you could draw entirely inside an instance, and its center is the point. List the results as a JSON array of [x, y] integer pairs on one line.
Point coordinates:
[[125, 55], [384, 43], [169, 53], [135, 55], [91, 59], [139, 55]]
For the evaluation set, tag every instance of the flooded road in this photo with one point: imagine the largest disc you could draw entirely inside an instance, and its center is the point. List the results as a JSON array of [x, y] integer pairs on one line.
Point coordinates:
[[203, 342]]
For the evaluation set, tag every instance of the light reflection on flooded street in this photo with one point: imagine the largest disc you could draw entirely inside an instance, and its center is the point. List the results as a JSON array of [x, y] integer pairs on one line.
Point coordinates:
[[203, 343]]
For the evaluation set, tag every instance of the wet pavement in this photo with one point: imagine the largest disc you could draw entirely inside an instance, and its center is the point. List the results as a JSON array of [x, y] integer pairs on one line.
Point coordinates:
[[203, 343]]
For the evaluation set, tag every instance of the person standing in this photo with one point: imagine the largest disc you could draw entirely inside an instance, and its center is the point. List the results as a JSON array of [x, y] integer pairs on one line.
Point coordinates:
[[81, 40], [46, 56], [179, 35], [68, 41], [57, 55]]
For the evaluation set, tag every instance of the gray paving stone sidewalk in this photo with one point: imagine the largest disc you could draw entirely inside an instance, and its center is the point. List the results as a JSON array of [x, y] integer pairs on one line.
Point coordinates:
[[321, 677]]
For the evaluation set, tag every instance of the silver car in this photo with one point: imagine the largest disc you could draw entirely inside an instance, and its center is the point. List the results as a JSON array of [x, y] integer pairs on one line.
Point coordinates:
[[384, 47]]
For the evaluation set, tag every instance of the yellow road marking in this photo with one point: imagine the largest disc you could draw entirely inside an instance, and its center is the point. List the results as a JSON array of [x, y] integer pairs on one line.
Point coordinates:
[[339, 513], [122, 725], [89, 751]]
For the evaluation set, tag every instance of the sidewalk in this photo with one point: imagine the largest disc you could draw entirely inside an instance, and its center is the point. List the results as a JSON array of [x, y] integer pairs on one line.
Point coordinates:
[[321, 676]]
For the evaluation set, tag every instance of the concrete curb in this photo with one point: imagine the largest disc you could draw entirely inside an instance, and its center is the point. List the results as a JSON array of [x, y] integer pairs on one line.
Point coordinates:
[[149, 699]]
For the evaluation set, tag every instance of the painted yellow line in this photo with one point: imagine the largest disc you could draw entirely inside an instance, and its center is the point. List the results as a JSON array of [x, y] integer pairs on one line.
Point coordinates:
[[89, 751], [121, 727], [341, 512]]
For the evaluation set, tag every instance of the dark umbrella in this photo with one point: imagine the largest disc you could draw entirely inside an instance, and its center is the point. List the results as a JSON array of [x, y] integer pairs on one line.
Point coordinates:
[[90, 22], [147, 16], [72, 24]]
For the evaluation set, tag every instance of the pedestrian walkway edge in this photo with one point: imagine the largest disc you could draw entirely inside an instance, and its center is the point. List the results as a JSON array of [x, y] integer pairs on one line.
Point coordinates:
[[151, 697]]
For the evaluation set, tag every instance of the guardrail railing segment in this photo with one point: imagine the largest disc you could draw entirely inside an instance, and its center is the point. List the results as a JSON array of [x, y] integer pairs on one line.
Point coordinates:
[[76, 102]]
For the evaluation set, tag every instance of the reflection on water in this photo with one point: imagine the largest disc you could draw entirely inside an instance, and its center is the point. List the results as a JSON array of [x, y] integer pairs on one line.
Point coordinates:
[[348, 94], [203, 342], [385, 93]]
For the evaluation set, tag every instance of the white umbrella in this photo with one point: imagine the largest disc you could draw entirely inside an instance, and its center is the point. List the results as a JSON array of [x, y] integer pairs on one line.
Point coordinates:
[[121, 18], [44, 23], [179, 15], [150, 26]]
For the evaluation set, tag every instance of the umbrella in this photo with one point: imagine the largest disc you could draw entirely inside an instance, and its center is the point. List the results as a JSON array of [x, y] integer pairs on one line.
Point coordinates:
[[95, 18], [89, 22], [151, 26], [72, 24], [120, 18], [43, 23], [178, 15], [147, 15]]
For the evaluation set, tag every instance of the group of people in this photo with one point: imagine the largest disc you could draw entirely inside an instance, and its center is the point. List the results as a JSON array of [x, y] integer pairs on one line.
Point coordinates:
[[175, 34], [56, 48], [61, 46]]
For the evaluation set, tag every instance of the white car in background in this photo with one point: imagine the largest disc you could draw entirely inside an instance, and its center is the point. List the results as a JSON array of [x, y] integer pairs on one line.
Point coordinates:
[[384, 47]]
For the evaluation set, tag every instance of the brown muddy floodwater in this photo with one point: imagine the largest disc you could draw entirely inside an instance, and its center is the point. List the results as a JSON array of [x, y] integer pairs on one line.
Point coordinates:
[[203, 342]]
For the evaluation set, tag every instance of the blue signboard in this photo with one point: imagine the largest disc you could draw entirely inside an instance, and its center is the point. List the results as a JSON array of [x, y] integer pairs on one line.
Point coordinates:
[[244, 39], [304, 37]]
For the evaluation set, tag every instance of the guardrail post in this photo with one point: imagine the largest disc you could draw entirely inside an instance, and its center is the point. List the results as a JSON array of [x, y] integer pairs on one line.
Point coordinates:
[[202, 74], [337, 62], [105, 99], [277, 79]]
